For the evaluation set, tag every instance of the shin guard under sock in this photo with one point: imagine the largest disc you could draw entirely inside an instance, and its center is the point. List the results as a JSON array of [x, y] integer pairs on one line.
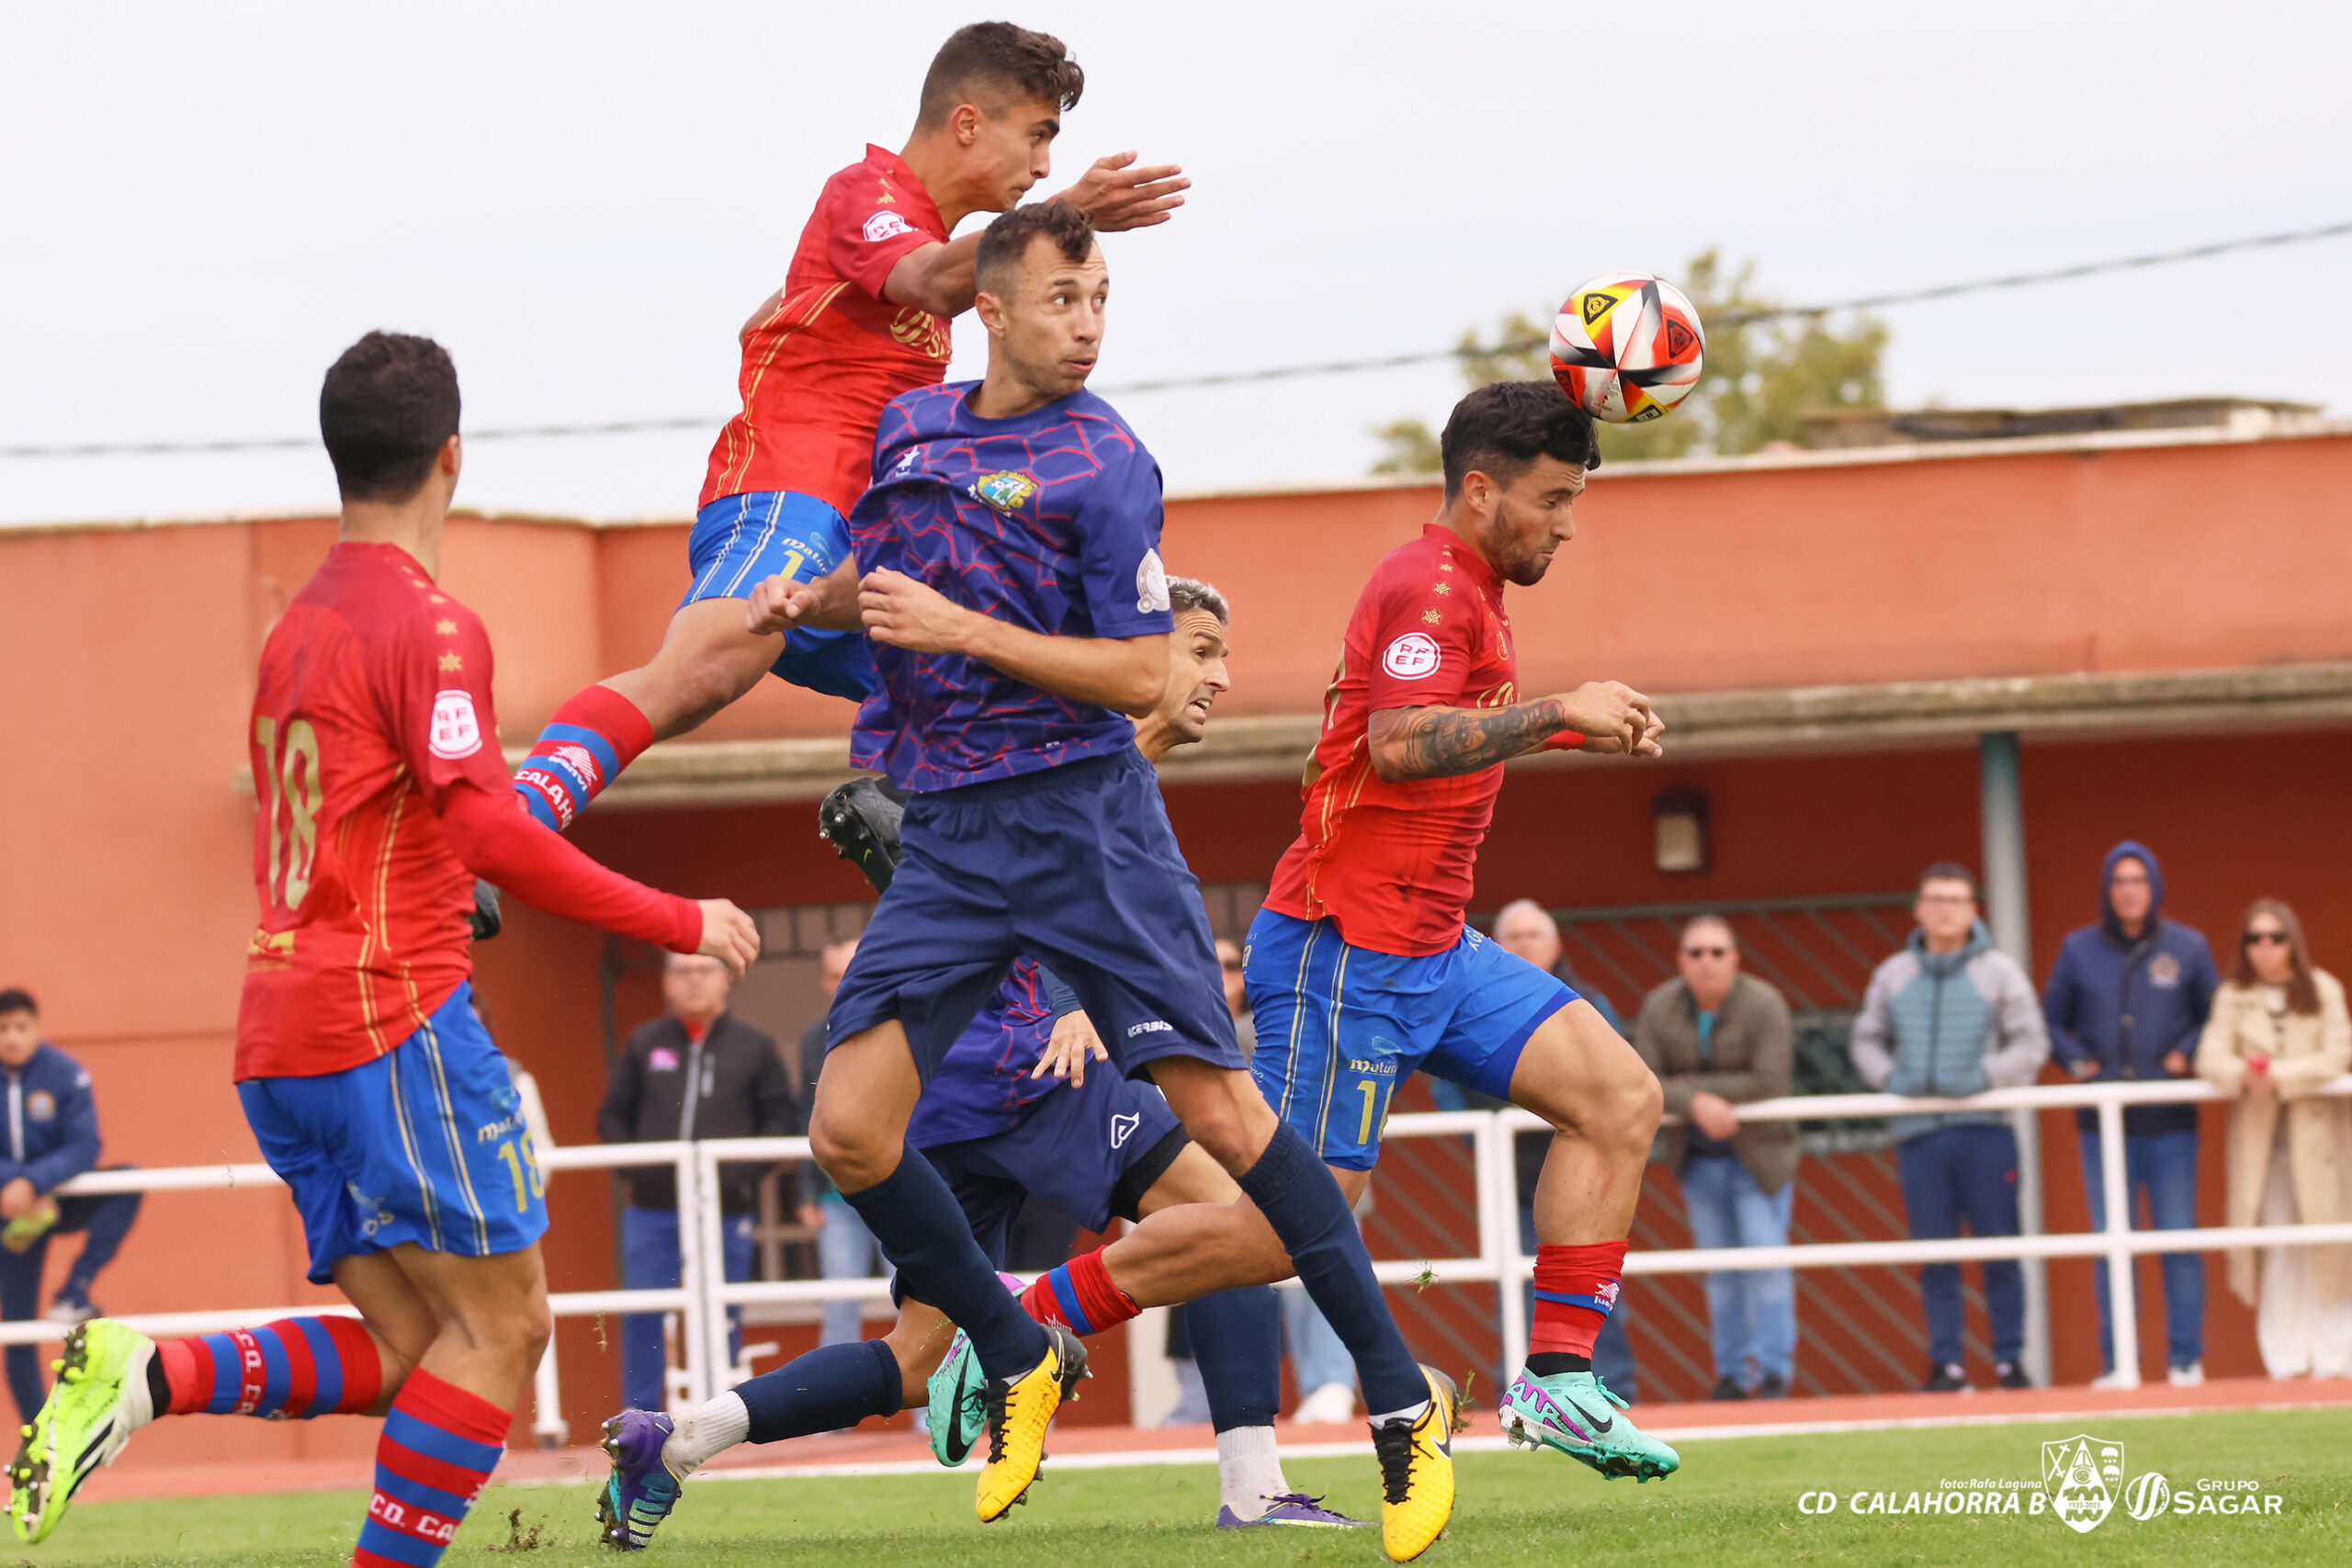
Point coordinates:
[[1301, 1200], [923, 1231]]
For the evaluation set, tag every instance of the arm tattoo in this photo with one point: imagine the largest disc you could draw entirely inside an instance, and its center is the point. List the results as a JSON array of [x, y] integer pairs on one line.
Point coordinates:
[[1439, 743]]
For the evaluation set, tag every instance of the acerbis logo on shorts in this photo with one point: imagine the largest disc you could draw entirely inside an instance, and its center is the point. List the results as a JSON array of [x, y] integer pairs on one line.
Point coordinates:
[[1411, 657], [1150, 1026], [887, 225], [456, 731]]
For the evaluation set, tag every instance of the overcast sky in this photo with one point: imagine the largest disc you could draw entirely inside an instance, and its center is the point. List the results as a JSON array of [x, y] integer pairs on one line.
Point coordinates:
[[203, 204]]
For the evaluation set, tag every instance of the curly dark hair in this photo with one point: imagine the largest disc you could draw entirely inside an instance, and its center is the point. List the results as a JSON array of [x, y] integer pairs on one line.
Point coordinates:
[[386, 408], [1501, 429], [997, 65]]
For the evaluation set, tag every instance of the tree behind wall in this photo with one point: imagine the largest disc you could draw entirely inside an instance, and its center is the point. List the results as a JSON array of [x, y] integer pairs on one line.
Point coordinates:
[[1762, 377]]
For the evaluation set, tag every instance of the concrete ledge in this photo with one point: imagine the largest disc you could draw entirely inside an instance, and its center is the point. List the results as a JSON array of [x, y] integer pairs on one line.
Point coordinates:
[[1700, 724]]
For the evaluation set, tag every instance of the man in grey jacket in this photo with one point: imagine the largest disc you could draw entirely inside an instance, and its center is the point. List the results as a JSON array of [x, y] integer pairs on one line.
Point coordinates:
[[1951, 1016]]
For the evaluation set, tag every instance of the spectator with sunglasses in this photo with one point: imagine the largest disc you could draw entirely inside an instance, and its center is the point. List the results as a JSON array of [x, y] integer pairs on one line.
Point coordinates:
[[1951, 1016], [2127, 999], [2278, 1032], [1718, 1039]]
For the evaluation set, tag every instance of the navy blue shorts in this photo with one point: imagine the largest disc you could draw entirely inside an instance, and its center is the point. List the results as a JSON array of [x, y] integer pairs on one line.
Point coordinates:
[[1092, 1152], [1077, 868], [425, 1144], [1340, 1027], [740, 541]]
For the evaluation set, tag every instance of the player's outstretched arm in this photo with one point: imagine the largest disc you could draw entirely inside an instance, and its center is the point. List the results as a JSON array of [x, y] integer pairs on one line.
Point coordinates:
[[1446, 742], [494, 839], [1126, 675], [1115, 194]]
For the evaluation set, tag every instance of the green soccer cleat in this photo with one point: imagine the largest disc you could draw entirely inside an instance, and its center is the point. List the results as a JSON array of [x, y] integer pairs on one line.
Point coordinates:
[[959, 1404], [100, 1398], [1575, 1413]]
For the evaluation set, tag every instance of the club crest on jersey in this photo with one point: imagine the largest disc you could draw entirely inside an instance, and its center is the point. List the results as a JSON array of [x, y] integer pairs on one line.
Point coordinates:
[[1008, 490], [1151, 583], [887, 225], [457, 732], [1412, 656]]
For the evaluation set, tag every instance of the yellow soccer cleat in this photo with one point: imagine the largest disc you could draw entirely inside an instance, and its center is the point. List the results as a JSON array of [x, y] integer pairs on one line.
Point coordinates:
[[1020, 1409], [1417, 1471]]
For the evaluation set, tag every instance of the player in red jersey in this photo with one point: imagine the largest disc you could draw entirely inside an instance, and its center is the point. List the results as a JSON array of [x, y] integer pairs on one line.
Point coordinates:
[[863, 316], [1361, 969], [365, 1074]]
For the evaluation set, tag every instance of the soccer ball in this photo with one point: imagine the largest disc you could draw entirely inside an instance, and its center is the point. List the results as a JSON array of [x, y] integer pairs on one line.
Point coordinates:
[[1627, 348]]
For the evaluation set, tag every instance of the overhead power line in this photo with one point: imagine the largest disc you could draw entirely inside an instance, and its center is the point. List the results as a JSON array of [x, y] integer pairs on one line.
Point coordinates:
[[1270, 373]]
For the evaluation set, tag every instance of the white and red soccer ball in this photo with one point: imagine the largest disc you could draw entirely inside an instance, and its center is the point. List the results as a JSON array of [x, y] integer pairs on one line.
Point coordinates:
[[1627, 348]]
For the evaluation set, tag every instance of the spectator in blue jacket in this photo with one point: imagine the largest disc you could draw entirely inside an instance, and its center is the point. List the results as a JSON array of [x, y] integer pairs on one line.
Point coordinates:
[[53, 1138], [1951, 1016], [2128, 1000]]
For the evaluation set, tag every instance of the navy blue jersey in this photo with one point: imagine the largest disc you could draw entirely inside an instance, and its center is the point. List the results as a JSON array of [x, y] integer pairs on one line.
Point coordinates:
[[1049, 522], [982, 1087]]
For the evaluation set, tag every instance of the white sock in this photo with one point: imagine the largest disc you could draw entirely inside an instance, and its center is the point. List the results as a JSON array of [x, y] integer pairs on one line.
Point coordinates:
[[1248, 1470], [1410, 1412], [137, 1399], [705, 1431]]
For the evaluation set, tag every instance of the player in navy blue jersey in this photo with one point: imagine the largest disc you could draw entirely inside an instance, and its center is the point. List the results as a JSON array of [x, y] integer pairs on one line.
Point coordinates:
[[1012, 1111], [1013, 587]]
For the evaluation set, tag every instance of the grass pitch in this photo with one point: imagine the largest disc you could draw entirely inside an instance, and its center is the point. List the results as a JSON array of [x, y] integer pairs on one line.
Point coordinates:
[[1736, 1502]]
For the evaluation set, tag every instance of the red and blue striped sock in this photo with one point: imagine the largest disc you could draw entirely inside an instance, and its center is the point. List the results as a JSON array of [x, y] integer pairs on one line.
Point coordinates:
[[1080, 1295], [294, 1368], [582, 751], [440, 1443], [1575, 1286]]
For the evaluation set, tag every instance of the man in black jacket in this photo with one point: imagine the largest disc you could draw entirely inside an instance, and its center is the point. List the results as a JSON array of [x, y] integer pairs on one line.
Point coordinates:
[[695, 1072]]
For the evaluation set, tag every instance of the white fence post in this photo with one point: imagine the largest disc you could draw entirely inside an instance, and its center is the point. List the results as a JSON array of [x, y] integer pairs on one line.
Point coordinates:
[[711, 1302], [2123, 1306], [1499, 1234], [701, 1380]]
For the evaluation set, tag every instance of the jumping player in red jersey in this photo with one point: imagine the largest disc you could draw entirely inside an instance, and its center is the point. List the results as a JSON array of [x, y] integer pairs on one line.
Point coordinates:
[[863, 316], [1360, 968], [366, 1075]]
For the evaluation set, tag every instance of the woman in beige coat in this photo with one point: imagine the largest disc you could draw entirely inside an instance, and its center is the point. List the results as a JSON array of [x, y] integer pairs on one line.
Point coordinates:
[[2277, 1031]]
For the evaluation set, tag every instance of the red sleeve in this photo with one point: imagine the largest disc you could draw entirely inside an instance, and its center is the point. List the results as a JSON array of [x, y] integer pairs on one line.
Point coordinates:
[[498, 839], [437, 686], [1420, 643], [866, 231]]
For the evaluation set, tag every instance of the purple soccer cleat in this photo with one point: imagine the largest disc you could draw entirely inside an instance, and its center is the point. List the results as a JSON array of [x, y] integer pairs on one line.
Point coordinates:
[[1295, 1509], [641, 1491]]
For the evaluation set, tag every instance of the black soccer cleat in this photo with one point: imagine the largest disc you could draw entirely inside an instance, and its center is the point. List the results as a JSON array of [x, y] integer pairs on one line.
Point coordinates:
[[861, 821], [485, 917]]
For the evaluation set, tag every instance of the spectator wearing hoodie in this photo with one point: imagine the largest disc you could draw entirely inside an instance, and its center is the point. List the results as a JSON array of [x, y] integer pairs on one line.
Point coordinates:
[[2127, 1000], [1948, 1017]]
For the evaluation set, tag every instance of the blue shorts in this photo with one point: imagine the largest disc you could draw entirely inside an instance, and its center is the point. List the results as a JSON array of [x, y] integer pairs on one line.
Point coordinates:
[[1092, 1152], [740, 541], [1077, 868], [1340, 1027], [425, 1144]]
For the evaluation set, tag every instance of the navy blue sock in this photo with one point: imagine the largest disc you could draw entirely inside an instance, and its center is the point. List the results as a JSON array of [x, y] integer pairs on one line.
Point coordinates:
[[830, 1387], [1237, 1344], [923, 1233], [1297, 1193]]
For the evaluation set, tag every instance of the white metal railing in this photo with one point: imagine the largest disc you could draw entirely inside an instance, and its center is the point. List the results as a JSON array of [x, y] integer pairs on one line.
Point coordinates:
[[704, 1296]]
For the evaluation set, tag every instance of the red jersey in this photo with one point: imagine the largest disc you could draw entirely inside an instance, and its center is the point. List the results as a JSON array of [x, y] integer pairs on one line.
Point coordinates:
[[817, 368], [1391, 864], [375, 748]]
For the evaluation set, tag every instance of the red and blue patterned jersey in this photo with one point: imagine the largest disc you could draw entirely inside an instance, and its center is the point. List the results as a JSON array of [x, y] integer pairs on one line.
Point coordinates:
[[982, 1087], [1048, 521]]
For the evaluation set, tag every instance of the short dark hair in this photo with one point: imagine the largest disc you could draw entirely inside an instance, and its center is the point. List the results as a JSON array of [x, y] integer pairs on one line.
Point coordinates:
[[1502, 428], [995, 66], [1950, 871], [386, 408], [1190, 593], [15, 998], [1006, 241]]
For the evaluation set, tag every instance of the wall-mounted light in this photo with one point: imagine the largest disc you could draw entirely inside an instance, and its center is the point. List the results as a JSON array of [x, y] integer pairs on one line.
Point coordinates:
[[1681, 845]]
